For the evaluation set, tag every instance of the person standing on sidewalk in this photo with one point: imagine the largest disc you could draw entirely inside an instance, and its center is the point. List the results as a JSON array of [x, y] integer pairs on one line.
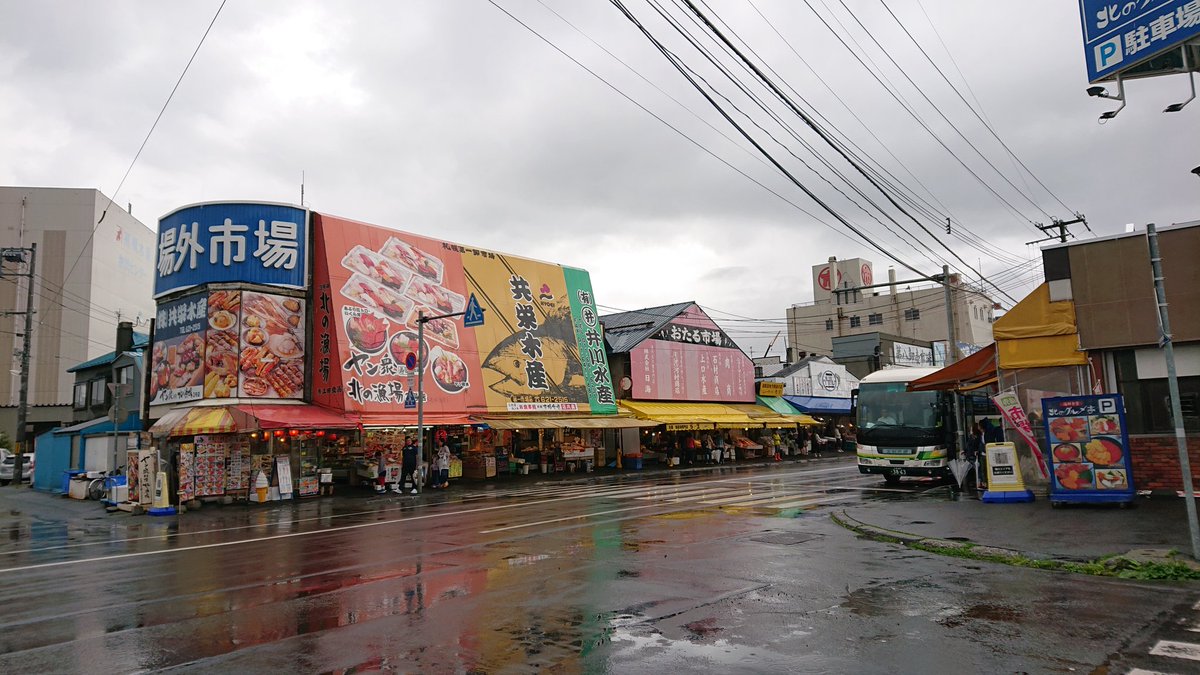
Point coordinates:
[[443, 467], [409, 467], [974, 453]]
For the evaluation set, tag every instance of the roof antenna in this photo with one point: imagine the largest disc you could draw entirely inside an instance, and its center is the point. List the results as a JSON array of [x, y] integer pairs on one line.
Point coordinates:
[[302, 188]]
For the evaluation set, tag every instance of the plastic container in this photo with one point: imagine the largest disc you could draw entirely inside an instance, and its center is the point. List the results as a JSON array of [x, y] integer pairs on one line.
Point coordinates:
[[66, 480]]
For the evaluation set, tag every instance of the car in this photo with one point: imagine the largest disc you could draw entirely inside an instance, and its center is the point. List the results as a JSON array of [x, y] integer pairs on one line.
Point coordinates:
[[8, 461]]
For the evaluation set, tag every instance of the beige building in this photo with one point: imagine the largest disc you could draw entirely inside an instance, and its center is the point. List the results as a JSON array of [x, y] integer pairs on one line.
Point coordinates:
[[85, 282], [916, 311]]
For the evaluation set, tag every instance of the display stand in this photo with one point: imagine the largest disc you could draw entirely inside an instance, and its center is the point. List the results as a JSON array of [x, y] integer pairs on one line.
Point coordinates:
[[1005, 483]]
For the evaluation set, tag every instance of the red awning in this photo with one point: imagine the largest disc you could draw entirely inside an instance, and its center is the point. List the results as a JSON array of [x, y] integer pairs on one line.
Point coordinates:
[[973, 370], [272, 416], [408, 418]]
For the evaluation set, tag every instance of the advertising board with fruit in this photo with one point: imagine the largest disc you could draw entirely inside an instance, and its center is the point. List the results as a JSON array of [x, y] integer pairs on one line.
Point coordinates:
[[1089, 449]]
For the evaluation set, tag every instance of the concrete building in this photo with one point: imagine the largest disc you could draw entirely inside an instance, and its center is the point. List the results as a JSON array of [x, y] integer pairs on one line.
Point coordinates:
[[91, 273], [902, 310]]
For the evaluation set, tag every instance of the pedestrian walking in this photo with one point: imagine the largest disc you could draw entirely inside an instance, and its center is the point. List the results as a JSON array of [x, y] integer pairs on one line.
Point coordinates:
[[443, 467], [719, 446], [974, 455], [837, 439], [409, 466]]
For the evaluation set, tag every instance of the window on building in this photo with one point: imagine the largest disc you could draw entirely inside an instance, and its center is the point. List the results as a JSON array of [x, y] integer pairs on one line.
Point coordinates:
[[96, 392], [912, 314], [855, 321], [828, 324], [1148, 402], [875, 319], [80, 399], [125, 375]]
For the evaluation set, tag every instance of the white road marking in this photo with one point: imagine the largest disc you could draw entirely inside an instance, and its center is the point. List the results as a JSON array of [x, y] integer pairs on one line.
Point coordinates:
[[578, 516], [1141, 671], [812, 502], [1176, 650], [584, 493]]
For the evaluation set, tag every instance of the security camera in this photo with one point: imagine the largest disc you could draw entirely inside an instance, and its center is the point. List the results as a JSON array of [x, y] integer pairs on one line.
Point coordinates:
[[1196, 171], [1109, 115], [1095, 91]]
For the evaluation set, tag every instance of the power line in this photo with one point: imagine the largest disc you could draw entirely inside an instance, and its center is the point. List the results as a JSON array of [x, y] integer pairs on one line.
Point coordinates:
[[812, 125], [145, 140]]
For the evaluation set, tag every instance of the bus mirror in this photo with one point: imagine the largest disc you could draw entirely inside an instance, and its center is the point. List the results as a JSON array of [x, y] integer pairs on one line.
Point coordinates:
[[853, 398]]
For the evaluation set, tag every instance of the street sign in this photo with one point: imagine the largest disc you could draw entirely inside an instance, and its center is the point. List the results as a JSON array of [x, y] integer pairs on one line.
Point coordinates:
[[410, 400], [1117, 36], [474, 315], [410, 361]]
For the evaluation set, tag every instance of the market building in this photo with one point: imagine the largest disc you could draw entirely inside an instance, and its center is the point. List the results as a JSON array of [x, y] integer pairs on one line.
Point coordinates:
[[1092, 330], [92, 271], [306, 348], [914, 312], [676, 368]]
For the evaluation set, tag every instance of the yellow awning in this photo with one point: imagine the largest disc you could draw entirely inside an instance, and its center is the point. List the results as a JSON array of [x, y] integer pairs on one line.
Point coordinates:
[[163, 425], [592, 422], [690, 414], [1036, 316], [1040, 352], [1038, 333], [764, 415], [206, 420]]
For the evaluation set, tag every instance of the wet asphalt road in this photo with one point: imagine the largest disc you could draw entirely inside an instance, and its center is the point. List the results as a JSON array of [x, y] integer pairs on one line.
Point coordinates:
[[723, 571]]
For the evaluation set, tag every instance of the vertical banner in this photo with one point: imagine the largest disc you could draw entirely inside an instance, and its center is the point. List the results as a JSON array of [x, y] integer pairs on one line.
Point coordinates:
[[1010, 406]]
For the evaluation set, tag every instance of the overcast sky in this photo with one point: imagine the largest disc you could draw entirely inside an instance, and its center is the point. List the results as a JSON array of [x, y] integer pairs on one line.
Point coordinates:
[[450, 119]]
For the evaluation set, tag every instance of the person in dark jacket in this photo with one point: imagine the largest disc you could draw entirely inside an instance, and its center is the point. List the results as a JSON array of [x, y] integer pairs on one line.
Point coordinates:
[[409, 467]]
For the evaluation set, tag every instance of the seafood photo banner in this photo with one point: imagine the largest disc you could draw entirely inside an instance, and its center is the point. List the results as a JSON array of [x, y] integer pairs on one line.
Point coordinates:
[[228, 344], [541, 346]]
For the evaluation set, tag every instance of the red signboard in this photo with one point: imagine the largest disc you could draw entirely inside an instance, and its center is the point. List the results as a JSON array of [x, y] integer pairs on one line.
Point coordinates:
[[691, 359]]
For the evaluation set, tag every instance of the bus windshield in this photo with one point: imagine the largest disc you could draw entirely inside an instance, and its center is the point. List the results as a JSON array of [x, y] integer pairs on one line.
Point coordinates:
[[890, 414]]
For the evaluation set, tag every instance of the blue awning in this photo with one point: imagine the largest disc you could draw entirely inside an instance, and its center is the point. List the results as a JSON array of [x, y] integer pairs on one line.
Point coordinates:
[[820, 404]]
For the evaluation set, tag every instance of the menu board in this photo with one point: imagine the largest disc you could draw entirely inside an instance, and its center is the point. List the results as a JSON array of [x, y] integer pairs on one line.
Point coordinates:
[[309, 486], [187, 459], [1089, 449], [283, 472], [237, 475], [228, 344], [210, 466]]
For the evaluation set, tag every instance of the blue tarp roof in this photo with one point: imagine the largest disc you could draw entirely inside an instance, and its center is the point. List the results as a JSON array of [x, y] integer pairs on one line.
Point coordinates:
[[102, 425], [140, 341], [820, 404]]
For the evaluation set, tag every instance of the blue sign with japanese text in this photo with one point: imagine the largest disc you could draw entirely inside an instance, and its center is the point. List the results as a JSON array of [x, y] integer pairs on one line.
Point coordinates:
[[225, 242], [1118, 34], [1089, 449]]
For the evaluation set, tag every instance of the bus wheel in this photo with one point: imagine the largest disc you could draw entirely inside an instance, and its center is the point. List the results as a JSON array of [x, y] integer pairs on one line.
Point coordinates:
[[890, 479]]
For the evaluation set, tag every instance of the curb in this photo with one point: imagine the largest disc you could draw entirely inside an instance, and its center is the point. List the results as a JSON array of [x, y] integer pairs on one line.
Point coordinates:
[[1109, 566]]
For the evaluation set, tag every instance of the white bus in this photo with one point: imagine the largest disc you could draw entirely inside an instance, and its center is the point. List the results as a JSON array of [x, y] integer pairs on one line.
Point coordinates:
[[900, 432]]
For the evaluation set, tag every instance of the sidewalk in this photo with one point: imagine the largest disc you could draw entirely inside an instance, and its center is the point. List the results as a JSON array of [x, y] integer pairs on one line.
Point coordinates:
[[1071, 532]]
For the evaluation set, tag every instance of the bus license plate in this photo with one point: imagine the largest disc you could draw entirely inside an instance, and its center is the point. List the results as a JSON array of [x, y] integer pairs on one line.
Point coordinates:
[[897, 472], [896, 451]]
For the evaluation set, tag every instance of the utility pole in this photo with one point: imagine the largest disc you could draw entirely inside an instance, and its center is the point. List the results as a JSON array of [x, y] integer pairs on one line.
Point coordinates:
[[952, 351], [1060, 225], [18, 255], [1185, 466]]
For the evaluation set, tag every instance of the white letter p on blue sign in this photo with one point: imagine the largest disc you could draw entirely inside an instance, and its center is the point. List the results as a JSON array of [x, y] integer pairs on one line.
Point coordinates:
[[1109, 53]]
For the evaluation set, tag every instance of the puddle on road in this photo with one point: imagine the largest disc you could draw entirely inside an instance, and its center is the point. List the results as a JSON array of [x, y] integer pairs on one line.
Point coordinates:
[[985, 611]]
